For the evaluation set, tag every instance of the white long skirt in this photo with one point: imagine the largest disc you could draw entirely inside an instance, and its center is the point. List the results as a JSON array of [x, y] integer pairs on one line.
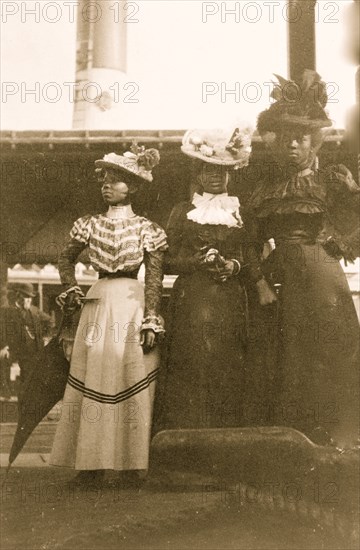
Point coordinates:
[[107, 408]]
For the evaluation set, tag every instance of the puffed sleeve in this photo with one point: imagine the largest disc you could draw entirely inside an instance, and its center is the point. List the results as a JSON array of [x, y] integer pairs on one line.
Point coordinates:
[[81, 230], [153, 237], [343, 206], [79, 239]]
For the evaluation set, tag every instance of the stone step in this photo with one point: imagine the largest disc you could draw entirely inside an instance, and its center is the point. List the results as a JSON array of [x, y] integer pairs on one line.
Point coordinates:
[[40, 441]]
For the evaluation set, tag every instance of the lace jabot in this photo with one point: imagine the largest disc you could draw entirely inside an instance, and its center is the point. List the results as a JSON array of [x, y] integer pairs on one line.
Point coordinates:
[[215, 210]]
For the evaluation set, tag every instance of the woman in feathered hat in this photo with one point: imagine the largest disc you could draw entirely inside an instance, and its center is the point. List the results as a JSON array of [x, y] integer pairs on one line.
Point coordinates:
[[312, 366], [206, 334], [106, 413]]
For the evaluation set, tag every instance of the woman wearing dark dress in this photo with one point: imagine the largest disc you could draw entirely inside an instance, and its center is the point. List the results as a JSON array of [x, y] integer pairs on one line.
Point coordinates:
[[303, 363], [206, 325]]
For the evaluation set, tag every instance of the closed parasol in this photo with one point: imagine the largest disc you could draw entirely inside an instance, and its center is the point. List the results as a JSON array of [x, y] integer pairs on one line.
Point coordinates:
[[44, 388]]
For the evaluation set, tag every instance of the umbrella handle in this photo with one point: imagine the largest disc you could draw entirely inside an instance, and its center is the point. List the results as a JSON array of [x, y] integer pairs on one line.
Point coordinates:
[[61, 326]]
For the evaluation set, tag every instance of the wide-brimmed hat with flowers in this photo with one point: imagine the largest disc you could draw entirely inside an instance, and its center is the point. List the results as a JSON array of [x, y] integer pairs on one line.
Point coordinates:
[[138, 162], [300, 104], [219, 146]]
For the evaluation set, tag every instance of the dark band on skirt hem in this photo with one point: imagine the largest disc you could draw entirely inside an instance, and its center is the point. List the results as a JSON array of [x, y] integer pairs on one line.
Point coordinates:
[[113, 399]]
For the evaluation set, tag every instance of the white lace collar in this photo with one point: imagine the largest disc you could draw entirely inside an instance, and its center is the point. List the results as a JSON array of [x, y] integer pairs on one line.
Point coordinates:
[[215, 210], [120, 212]]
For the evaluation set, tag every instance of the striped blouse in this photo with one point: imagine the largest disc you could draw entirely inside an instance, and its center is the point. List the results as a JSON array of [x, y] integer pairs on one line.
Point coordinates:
[[118, 243]]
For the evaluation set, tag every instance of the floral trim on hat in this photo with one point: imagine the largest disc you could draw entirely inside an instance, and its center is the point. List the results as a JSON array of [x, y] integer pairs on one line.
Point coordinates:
[[214, 146], [138, 161]]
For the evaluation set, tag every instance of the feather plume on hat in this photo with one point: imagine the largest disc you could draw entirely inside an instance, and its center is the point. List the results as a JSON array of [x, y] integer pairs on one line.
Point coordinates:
[[296, 104]]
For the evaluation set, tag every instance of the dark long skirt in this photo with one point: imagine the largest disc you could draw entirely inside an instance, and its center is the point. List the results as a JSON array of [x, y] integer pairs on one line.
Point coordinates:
[[201, 383], [303, 362]]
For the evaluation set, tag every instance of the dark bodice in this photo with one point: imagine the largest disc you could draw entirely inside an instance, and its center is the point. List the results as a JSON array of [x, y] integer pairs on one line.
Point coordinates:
[[305, 228], [186, 238], [227, 240], [309, 206], [303, 193]]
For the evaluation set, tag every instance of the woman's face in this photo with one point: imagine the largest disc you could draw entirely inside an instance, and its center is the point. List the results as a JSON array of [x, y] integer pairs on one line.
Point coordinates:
[[114, 190], [293, 146], [214, 178]]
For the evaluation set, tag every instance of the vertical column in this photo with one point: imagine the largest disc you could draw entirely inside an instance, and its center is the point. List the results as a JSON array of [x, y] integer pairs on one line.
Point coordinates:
[[353, 53], [301, 36], [41, 295], [101, 64], [3, 284], [109, 38]]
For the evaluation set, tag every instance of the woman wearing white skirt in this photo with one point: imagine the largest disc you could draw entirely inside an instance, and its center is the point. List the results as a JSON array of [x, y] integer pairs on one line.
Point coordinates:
[[107, 408]]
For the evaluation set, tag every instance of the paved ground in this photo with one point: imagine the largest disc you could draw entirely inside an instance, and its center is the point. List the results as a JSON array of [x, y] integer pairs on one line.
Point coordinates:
[[41, 512]]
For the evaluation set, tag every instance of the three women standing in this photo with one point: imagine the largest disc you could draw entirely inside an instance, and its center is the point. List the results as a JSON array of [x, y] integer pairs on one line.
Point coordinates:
[[308, 374]]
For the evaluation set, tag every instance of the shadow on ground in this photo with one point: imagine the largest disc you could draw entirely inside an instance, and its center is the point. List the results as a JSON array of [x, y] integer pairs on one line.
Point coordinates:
[[41, 511]]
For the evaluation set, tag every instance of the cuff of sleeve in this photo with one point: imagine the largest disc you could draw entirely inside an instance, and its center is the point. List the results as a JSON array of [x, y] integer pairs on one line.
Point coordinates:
[[61, 299], [237, 267], [154, 323]]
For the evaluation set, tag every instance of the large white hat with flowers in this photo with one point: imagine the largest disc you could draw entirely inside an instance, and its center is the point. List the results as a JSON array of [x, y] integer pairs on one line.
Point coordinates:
[[219, 146]]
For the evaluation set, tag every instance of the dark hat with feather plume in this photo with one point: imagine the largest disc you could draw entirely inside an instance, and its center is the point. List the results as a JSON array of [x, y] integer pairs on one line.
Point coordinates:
[[299, 103]]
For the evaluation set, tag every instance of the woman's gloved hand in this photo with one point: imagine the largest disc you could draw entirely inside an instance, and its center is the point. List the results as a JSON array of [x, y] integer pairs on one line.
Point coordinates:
[[226, 270], [220, 268], [147, 340], [197, 260], [70, 300]]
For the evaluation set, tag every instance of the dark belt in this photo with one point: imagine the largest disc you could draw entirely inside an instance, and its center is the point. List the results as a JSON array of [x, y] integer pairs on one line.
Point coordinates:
[[118, 274], [295, 238]]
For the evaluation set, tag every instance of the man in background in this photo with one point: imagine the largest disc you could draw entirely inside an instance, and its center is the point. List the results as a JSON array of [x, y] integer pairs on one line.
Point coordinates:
[[22, 329]]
